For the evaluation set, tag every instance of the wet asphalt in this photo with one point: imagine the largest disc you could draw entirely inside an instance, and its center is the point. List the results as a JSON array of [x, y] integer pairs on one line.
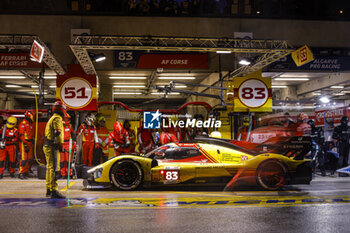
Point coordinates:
[[323, 206]]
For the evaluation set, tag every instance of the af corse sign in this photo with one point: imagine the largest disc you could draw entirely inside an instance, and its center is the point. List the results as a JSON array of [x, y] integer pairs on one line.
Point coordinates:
[[76, 89]]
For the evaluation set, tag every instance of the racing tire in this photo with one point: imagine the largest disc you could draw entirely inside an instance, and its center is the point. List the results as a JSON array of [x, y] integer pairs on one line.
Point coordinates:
[[126, 175], [271, 174]]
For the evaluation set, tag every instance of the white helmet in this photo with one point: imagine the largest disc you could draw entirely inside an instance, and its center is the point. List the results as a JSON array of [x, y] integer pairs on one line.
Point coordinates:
[[215, 134]]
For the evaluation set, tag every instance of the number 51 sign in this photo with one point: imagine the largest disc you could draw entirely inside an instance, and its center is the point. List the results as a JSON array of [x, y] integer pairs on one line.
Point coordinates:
[[252, 93], [77, 89]]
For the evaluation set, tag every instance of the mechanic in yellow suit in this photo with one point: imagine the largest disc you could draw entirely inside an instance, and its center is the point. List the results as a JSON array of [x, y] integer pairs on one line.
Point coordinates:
[[54, 133]]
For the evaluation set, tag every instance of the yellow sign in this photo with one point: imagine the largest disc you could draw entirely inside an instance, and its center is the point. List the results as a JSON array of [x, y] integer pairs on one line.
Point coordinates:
[[302, 56], [252, 93]]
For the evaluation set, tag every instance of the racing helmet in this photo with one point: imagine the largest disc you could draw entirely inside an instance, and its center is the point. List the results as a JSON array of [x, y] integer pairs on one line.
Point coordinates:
[[302, 116], [59, 108], [90, 119], [29, 116], [344, 120], [11, 122], [67, 118], [215, 134], [100, 118]]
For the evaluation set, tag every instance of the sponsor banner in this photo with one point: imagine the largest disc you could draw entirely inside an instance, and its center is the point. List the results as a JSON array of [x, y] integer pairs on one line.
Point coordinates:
[[333, 115], [143, 60], [320, 63], [302, 56], [77, 89], [17, 60], [252, 93]]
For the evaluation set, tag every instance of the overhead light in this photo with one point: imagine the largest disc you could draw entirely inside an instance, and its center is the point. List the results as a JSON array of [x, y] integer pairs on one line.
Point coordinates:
[[229, 93], [12, 77], [129, 86], [100, 57], [294, 75], [291, 79], [339, 93], [160, 93], [127, 93], [49, 77], [179, 77], [167, 84], [129, 83], [223, 51], [324, 99], [315, 93], [127, 77], [52, 86], [244, 62], [337, 87], [341, 12], [12, 86], [280, 86], [35, 86]]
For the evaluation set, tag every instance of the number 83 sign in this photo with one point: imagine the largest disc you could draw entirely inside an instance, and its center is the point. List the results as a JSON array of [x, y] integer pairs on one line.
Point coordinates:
[[252, 94]]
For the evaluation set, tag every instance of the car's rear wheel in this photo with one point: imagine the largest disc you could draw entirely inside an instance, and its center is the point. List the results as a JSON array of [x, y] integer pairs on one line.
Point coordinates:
[[126, 175], [271, 174]]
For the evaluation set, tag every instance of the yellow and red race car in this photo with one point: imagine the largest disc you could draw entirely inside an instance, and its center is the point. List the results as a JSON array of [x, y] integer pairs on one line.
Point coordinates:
[[201, 161]]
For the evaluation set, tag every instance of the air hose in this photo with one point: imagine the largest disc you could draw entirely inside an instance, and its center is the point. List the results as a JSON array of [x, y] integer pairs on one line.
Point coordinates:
[[36, 127]]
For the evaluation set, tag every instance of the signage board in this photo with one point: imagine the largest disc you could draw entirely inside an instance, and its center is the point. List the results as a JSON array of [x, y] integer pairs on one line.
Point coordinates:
[[17, 60], [37, 51], [144, 60], [252, 93], [76, 89], [302, 56]]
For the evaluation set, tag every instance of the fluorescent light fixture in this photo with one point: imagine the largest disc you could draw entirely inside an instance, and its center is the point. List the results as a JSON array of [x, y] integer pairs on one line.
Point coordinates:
[[127, 77], [52, 86], [223, 51], [294, 75], [324, 99], [340, 93], [167, 84], [229, 93], [129, 86], [129, 83], [12, 77], [49, 77], [12, 86], [127, 93], [291, 79], [244, 62], [35, 86], [176, 77], [315, 93], [99, 57], [280, 86], [160, 93], [337, 87]]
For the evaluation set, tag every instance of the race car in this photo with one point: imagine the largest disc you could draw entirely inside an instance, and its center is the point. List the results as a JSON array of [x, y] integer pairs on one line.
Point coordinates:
[[201, 161]]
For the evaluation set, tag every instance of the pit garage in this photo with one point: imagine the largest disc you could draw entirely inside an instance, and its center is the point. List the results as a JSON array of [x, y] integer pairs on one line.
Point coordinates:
[[145, 128]]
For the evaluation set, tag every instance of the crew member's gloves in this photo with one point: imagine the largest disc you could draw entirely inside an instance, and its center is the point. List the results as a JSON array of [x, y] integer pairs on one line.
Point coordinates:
[[26, 148], [2, 144]]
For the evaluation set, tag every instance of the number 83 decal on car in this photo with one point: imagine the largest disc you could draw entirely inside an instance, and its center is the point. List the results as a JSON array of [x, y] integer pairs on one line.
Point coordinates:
[[170, 174]]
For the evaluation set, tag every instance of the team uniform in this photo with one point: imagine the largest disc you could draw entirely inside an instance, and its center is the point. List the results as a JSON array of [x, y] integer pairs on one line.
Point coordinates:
[[26, 145], [8, 147], [89, 138], [64, 156], [342, 135], [145, 140], [119, 139]]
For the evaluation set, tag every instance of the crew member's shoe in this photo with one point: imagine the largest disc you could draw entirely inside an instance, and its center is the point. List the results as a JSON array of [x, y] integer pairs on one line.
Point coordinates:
[[1, 176], [22, 176], [48, 193], [12, 175], [56, 195]]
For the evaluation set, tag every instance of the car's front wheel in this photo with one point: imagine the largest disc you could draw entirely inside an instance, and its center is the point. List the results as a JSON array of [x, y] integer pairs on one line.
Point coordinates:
[[126, 175], [271, 174]]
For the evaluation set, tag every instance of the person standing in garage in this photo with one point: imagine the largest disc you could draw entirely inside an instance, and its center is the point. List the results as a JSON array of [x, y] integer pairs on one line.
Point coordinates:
[[102, 134], [9, 137], [131, 135], [119, 139], [64, 156], [145, 140], [26, 146], [342, 135], [88, 130], [54, 138]]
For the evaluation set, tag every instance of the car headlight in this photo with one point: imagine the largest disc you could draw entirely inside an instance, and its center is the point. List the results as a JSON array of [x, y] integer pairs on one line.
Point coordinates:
[[96, 172]]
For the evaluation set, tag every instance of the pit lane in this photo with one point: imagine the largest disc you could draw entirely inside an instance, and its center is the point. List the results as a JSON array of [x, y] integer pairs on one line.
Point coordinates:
[[320, 207]]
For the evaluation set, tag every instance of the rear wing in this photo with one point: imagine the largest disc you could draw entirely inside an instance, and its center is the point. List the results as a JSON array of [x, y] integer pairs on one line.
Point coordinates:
[[292, 147]]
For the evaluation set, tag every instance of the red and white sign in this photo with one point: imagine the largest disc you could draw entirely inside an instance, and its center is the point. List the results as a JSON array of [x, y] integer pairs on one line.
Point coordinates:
[[333, 115], [171, 175], [37, 51], [17, 60], [253, 93], [173, 61], [76, 89]]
